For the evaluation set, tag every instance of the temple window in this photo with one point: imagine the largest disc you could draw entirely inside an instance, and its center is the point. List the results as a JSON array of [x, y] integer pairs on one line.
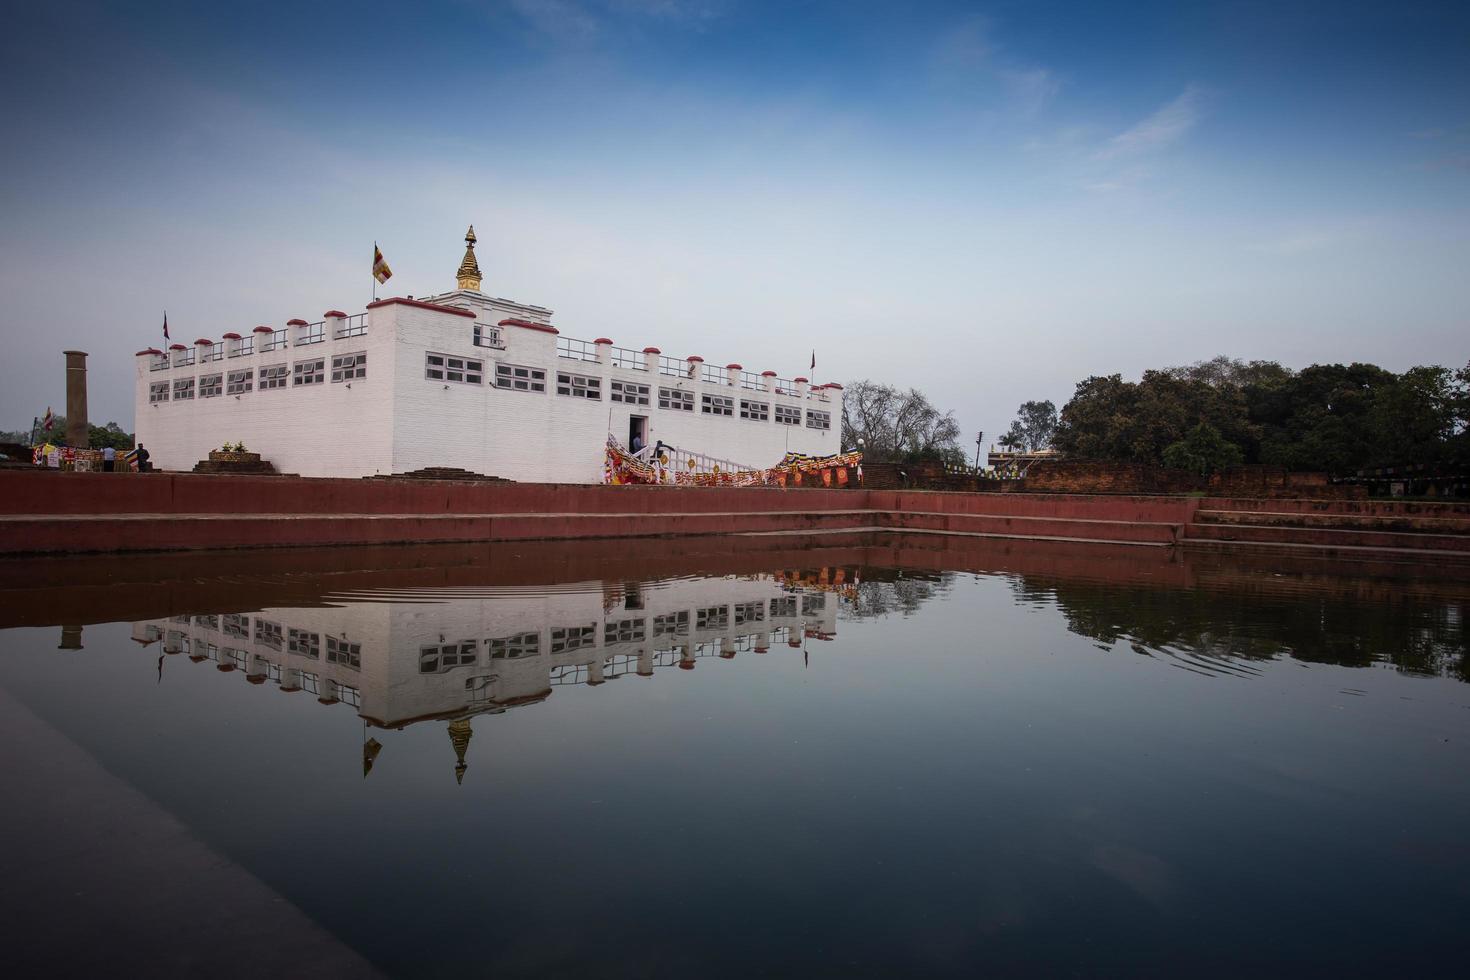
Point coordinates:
[[818, 420], [346, 654], [304, 644], [755, 411], [210, 385], [310, 372], [488, 336], [268, 634], [565, 639], [447, 656], [578, 386], [713, 618], [787, 415], [518, 378], [625, 631], [465, 371], [629, 393], [676, 399], [273, 377], [349, 367], [717, 405], [671, 624], [515, 646], [158, 392], [239, 382], [184, 389]]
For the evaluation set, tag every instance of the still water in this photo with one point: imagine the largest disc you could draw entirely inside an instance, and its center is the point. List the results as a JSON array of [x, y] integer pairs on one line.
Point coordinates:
[[867, 756]]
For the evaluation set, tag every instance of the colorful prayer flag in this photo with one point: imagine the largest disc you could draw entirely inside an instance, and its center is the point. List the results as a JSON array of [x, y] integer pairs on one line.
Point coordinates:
[[50, 420], [381, 272]]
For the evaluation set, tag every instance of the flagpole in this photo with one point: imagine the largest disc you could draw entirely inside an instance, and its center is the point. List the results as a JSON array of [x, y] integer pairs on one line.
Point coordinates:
[[373, 267], [35, 424]]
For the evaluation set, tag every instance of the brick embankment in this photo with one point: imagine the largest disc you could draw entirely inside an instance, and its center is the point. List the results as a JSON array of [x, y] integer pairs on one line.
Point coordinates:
[[81, 512]]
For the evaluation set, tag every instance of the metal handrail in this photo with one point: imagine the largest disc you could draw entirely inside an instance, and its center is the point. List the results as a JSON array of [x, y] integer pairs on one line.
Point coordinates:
[[752, 382], [576, 350], [354, 326], [713, 375], [672, 367], [628, 359]]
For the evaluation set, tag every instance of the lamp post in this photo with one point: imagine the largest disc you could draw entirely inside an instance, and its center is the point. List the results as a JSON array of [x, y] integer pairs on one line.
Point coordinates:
[[979, 438]]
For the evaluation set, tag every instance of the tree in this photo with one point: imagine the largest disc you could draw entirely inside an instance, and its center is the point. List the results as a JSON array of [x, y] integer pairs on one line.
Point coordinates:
[[1033, 428], [891, 425], [1203, 451]]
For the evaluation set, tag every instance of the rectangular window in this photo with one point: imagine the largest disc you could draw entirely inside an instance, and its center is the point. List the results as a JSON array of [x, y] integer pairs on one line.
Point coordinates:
[[488, 336], [273, 377], [749, 612], [242, 346], [309, 372], [629, 392], [671, 624], [679, 401], [268, 634], [158, 392], [237, 625], [349, 367], [579, 386], [717, 405], [713, 618], [438, 659], [625, 631], [442, 367], [755, 411], [786, 415], [312, 333], [209, 385], [565, 639], [208, 622], [239, 382], [183, 389], [519, 378], [304, 644], [818, 420], [515, 646], [344, 653], [783, 606]]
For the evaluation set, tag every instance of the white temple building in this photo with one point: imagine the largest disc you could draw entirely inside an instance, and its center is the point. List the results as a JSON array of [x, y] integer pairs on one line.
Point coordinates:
[[403, 660], [465, 380]]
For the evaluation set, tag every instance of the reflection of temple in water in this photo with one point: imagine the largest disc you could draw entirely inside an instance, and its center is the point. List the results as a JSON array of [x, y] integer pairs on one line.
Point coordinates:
[[400, 658]]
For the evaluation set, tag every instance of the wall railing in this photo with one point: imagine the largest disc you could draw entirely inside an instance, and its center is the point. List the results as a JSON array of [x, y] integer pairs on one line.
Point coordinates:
[[576, 350]]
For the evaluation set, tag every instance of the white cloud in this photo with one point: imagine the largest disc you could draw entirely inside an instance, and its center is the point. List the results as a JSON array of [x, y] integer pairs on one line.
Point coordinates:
[[1167, 125]]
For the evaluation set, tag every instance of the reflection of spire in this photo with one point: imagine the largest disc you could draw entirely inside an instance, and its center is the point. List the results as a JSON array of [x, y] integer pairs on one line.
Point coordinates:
[[468, 275], [370, 750], [459, 737]]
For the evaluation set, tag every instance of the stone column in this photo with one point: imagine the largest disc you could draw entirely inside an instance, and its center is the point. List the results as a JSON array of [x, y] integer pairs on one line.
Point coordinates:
[[76, 399], [770, 377], [732, 375]]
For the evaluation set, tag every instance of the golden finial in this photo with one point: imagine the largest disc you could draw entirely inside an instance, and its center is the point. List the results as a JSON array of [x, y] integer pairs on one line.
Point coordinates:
[[459, 737], [469, 270]]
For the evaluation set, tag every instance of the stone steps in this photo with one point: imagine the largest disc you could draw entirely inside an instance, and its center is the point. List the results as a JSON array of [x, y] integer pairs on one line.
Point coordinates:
[[1403, 523], [1005, 525], [1327, 537]]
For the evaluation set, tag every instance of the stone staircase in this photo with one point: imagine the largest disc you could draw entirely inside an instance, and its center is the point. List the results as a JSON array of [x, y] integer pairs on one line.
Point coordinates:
[[1440, 530]]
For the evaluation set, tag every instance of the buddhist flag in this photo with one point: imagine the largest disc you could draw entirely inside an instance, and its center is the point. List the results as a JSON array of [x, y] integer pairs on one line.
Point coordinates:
[[165, 325], [381, 272], [49, 421]]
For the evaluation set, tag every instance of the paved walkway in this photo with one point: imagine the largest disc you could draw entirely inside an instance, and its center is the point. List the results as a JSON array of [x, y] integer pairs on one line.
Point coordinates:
[[99, 879]]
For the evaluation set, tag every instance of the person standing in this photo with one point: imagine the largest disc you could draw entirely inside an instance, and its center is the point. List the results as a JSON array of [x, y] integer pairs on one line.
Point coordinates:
[[109, 457], [143, 465]]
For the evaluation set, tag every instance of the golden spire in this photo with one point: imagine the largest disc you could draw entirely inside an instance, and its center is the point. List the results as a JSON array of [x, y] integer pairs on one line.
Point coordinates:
[[459, 737], [469, 270]]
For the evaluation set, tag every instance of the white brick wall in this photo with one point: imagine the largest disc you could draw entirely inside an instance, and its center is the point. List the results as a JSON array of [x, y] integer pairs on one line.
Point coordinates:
[[397, 420]]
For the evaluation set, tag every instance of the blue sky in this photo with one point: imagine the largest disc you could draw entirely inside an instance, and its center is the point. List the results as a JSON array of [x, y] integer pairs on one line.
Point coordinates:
[[985, 201]]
